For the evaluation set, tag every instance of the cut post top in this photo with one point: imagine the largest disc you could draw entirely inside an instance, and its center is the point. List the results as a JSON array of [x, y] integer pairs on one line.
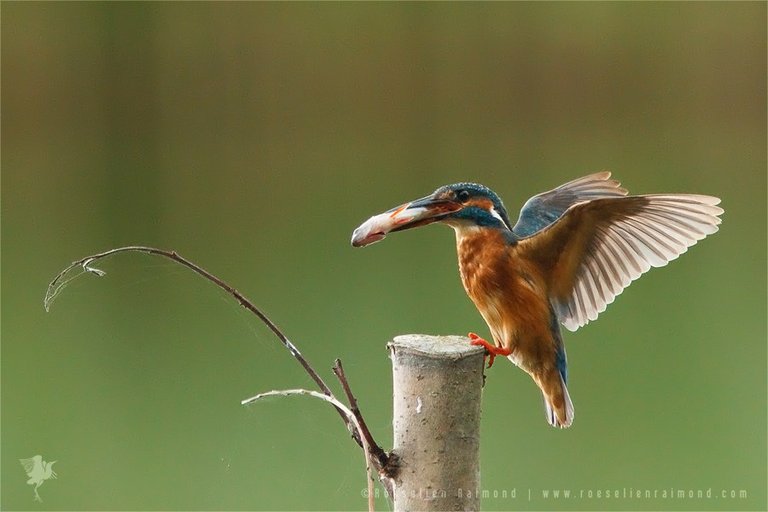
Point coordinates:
[[440, 347]]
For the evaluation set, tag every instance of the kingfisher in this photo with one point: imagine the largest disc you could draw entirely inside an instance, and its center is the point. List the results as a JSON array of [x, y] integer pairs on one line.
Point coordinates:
[[572, 250]]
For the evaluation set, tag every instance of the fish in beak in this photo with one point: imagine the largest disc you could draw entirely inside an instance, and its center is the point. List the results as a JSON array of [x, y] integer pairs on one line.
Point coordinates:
[[406, 216]]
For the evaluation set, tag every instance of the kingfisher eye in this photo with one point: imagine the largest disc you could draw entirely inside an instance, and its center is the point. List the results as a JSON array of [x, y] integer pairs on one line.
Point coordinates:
[[462, 195]]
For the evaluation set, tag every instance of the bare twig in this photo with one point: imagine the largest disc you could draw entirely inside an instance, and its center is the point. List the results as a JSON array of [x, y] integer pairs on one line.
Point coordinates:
[[353, 418], [377, 452], [63, 279], [385, 463], [60, 282], [357, 428]]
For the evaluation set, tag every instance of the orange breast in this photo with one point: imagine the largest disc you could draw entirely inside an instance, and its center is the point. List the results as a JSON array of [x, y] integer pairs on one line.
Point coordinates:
[[508, 290]]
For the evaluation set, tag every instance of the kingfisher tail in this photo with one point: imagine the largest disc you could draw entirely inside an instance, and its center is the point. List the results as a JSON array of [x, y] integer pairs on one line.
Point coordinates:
[[559, 408]]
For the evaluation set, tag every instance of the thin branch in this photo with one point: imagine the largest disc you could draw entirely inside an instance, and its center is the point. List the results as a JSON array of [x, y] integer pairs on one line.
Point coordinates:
[[379, 455], [383, 462], [84, 264], [340, 406], [58, 283]]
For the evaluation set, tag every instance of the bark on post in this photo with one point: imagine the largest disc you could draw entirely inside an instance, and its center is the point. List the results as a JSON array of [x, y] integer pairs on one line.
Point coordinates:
[[438, 382]]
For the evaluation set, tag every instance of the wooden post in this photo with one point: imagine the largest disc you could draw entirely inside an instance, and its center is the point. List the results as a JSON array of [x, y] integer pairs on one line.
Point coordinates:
[[438, 382]]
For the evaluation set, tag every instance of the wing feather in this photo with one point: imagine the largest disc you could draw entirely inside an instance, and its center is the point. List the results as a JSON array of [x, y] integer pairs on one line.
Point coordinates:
[[29, 464], [598, 247], [543, 209]]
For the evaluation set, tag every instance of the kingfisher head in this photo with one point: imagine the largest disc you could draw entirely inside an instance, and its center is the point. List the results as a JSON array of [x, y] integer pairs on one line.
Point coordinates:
[[461, 205]]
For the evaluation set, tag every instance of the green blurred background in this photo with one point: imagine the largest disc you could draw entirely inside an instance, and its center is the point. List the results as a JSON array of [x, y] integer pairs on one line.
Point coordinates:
[[254, 137]]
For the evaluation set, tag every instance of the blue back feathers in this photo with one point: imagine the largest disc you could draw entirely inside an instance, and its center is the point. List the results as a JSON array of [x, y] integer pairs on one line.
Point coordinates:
[[534, 217]]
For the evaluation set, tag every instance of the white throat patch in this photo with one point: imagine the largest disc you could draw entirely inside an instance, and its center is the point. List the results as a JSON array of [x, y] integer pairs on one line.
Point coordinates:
[[497, 216]]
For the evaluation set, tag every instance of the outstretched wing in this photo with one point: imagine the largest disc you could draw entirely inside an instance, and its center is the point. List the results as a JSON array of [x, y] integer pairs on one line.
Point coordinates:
[[542, 210], [29, 464], [597, 248]]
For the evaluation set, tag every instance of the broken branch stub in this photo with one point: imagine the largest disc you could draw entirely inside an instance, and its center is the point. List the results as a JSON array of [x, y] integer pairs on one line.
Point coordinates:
[[438, 382]]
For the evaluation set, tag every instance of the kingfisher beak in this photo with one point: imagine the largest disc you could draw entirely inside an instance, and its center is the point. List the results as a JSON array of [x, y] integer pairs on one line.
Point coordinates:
[[406, 216]]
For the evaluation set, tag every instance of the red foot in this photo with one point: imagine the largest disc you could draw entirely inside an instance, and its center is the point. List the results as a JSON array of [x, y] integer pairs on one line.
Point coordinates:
[[492, 350]]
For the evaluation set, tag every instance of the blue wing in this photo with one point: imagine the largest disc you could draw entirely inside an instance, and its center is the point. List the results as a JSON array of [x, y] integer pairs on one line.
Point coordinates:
[[542, 210]]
